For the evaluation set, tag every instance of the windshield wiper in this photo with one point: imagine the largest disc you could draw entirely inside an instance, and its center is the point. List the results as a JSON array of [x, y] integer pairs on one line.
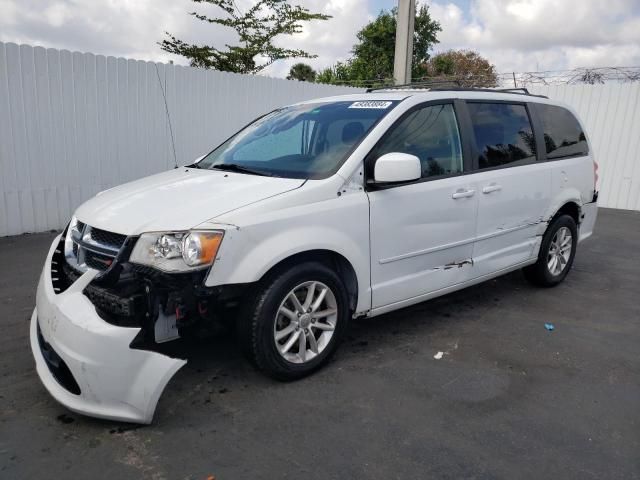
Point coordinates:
[[234, 167]]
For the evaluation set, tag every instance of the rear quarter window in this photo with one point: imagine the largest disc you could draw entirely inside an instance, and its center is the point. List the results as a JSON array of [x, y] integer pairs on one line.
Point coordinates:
[[563, 135]]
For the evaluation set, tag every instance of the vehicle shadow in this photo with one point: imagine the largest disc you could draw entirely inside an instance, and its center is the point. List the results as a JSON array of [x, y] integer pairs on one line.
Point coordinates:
[[216, 367]]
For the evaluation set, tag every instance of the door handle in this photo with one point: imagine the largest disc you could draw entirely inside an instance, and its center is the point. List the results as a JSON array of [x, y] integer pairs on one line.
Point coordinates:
[[462, 194], [494, 187]]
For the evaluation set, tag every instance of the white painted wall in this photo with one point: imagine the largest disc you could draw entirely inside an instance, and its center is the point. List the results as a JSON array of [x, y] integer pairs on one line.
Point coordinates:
[[611, 116], [73, 124]]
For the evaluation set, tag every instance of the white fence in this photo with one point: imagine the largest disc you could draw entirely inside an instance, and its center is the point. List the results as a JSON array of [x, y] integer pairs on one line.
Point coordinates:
[[611, 116], [72, 124]]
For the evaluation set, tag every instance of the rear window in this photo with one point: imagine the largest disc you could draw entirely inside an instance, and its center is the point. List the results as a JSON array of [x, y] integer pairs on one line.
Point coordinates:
[[563, 135], [503, 133]]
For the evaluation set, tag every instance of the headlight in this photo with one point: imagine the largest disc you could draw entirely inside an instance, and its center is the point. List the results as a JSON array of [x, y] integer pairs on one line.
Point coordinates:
[[177, 251]]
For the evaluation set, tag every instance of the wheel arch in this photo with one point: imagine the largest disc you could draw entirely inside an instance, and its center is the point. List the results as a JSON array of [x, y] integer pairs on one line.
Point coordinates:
[[567, 200], [337, 262], [568, 203], [570, 208]]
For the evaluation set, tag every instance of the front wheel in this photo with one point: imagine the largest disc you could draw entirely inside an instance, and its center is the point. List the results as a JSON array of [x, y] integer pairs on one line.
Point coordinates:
[[296, 321], [557, 251]]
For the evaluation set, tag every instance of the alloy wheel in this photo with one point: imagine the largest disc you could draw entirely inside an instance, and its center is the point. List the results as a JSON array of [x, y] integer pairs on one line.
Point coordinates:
[[559, 251], [305, 322]]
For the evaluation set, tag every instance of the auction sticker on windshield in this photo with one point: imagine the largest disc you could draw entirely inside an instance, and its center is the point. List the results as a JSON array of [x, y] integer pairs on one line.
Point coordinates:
[[371, 104]]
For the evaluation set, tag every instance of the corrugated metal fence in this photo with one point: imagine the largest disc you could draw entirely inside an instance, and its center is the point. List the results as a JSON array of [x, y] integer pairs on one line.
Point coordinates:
[[73, 124], [611, 116]]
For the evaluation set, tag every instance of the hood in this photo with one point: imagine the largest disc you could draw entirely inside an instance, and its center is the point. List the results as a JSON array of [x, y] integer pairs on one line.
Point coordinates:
[[179, 199]]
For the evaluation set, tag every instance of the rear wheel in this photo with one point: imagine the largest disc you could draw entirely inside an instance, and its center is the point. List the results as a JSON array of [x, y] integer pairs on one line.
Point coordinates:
[[296, 321], [557, 252]]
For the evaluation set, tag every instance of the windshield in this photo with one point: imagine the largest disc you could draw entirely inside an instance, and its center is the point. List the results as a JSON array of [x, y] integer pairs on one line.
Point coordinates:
[[302, 141]]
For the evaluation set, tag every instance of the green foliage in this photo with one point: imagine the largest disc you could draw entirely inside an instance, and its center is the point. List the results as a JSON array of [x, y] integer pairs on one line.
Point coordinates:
[[337, 74], [256, 29], [372, 60], [373, 55], [466, 67], [302, 72]]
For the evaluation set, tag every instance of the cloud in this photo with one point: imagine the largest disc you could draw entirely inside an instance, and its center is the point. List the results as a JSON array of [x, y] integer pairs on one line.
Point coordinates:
[[526, 35], [121, 28], [132, 28], [112, 27], [516, 35], [332, 39]]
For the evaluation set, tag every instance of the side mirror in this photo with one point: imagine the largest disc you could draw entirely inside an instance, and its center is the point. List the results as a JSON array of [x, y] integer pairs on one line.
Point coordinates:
[[397, 167]]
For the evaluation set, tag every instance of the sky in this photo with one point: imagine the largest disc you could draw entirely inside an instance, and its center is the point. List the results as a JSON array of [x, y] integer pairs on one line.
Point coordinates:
[[514, 35]]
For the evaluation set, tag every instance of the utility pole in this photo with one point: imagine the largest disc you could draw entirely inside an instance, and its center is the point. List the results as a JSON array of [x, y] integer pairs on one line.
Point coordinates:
[[404, 41]]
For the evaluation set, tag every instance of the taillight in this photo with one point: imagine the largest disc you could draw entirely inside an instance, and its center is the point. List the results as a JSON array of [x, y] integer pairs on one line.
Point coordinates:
[[595, 176]]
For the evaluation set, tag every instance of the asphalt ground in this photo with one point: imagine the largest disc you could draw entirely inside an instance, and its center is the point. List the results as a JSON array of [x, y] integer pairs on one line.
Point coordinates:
[[508, 399]]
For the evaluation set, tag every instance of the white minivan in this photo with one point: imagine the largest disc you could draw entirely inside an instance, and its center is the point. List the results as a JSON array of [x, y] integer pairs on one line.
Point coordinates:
[[316, 213]]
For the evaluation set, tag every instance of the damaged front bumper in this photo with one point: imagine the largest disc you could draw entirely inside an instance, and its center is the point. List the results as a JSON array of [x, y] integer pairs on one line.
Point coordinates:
[[86, 363]]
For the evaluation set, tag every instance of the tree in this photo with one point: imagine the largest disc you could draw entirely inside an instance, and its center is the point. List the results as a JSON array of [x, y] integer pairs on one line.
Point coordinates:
[[466, 67], [338, 74], [372, 60], [302, 72], [256, 29]]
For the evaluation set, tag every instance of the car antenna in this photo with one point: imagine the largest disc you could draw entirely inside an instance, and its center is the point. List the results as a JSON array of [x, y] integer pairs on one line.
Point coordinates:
[[166, 107]]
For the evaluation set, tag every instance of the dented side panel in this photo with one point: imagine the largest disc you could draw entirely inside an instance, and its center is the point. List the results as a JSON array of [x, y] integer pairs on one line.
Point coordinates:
[[572, 181], [509, 218]]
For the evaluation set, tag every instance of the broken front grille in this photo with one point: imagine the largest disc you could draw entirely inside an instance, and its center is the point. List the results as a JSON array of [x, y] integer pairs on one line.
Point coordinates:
[[90, 247]]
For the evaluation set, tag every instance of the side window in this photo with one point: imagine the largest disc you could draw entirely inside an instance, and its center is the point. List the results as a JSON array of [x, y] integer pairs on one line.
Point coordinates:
[[431, 134], [503, 133], [563, 135]]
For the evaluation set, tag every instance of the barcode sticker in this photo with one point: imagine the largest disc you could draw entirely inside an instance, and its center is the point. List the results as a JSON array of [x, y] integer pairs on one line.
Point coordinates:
[[371, 104]]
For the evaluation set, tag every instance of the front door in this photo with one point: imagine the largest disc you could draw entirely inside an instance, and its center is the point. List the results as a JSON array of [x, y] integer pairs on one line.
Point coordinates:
[[422, 233]]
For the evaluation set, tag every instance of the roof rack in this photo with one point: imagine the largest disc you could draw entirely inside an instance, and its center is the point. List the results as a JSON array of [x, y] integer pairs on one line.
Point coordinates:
[[520, 90], [438, 87], [417, 85]]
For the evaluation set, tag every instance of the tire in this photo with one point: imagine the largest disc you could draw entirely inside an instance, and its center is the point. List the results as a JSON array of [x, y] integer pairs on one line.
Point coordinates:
[[295, 354], [544, 272]]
